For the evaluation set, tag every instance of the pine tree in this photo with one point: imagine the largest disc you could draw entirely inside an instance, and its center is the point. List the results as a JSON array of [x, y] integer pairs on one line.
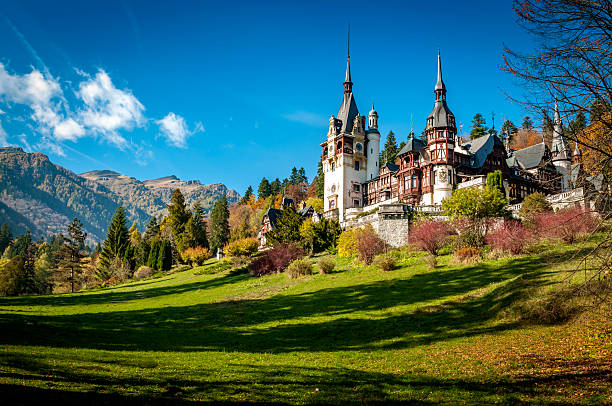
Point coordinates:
[[264, 189], [389, 152], [153, 255], [164, 258], [178, 216], [527, 123], [116, 243], [71, 254], [219, 225], [508, 130], [247, 195], [287, 227], [479, 127], [577, 125], [20, 245], [294, 178], [195, 232], [320, 180], [302, 178], [275, 187], [135, 236], [5, 237], [152, 231]]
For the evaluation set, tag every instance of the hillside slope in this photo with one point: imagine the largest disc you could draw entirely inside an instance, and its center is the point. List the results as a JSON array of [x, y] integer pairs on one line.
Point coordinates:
[[356, 336]]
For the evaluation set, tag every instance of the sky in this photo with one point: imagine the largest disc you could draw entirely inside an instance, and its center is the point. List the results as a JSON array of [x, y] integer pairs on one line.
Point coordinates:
[[234, 91]]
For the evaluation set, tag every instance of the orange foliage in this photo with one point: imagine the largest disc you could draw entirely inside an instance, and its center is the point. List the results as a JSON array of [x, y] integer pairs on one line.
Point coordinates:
[[525, 138], [597, 136]]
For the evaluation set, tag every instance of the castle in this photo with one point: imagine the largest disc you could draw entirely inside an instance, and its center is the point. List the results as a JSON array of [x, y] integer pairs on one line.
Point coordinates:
[[427, 172]]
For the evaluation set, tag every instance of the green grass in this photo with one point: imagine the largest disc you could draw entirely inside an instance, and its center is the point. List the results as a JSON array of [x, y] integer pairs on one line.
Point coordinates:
[[357, 335]]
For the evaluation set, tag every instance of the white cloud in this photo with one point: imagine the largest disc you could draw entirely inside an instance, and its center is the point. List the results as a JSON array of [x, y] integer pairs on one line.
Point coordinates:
[[175, 130], [49, 145], [108, 109], [305, 117], [68, 130]]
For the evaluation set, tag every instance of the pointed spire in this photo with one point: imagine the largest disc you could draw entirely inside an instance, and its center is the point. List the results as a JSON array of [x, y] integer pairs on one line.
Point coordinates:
[[348, 84], [560, 149], [440, 82]]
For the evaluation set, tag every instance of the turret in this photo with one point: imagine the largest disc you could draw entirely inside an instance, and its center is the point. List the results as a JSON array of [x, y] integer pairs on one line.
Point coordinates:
[[372, 145], [373, 119], [577, 156]]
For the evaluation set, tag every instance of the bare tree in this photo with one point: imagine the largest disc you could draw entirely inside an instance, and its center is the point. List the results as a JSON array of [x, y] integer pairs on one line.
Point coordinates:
[[572, 66]]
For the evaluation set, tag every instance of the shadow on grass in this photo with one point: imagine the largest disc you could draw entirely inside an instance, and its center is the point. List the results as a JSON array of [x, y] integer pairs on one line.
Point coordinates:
[[326, 320], [274, 383]]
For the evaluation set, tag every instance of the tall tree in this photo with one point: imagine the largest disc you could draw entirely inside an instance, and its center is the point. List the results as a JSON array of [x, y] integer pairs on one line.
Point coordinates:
[[276, 187], [71, 255], [5, 237], [264, 189], [135, 236], [479, 127], [302, 178], [116, 245], [508, 130], [390, 150], [320, 180], [527, 123], [195, 232], [178, 215], [152, 231], [247, 195], [219, 225], [20, 245], [287, 227]]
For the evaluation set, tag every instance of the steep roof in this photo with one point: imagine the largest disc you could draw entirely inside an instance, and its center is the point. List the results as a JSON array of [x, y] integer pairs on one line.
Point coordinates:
[[481, 147], [413, 144], [441, 114], [530, 157], [347, 113], [273, 215]]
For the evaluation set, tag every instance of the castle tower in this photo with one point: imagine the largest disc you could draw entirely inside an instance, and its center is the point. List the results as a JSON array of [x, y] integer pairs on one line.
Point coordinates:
[[577, 156], [441, 134], [344, 154], [561, 155], [372, 146]]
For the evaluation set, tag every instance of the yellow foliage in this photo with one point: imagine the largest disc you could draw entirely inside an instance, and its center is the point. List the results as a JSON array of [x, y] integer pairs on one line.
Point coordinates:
[[347, 244]]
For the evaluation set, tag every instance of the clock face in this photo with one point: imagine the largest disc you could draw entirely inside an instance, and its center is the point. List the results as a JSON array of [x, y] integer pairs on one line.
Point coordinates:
[[333, 188], [331, 149], [358, 146]]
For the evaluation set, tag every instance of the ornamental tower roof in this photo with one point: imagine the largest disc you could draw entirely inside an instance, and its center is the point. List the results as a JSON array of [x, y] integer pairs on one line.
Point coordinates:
[[560, 150], [441, 113]]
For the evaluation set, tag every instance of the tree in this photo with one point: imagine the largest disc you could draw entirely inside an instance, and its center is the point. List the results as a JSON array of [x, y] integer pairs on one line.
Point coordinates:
[[547, 128], [533, 205], [11, 276], [527, 123], [525, 138], [219, 225], [389, 152], [276, 187], [152, 231], [317, 237], [479, 127], [71, 255], [287, 227], [264, 189], [164, 257], [5, 237], [495, 181], [178, 216], [153, 255], [135, 236], [471, 203], [508, 130], [195, 231], [20, 245], [247, 195], [116, 245]]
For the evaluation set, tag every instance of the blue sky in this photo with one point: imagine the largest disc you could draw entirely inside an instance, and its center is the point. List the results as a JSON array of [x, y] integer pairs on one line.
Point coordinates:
[[234, 91]]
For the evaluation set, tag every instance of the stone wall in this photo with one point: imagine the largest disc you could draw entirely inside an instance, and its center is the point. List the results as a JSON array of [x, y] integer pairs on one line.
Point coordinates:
[[391, 223]]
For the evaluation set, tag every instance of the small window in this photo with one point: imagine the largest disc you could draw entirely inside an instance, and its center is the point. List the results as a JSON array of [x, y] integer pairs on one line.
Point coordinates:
[[356, 165], [356, 203], [414, 181], [333, 166], [356, 188]]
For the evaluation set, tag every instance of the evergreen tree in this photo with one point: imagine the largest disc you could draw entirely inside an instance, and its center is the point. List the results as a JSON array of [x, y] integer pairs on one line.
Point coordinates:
[[219, 225], [153, 255], [401, 145], [178, 215], [320, 180], [20, 245], [152, 231], [389, 152], [264, 189], [479, 127], [164, 258], [116, 243], [247, 195], [195, 232], [302, 178], [29, 274], [294, 178], [5, 237], [135, 236], [598, 110], [71, 255], [287, 227], [423, 136], [527, 123], [495, 181], [577, 125], [141, 253], [275, 187], [508, 130]]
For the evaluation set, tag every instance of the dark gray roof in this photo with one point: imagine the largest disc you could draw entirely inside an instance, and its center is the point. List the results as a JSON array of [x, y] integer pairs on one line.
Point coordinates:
[[308, 210], [413, 144], [347, 113], [480, 148], [530, 157], [392, 167], [273, 215], [441, 114], [440, 83]]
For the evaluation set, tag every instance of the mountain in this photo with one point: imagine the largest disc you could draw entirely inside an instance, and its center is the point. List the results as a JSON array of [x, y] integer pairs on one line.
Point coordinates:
[[43, 197]]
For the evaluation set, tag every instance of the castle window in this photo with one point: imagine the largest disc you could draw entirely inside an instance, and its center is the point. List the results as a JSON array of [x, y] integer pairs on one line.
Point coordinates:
[[356, 188], [356, 203], [356, 165], [333, 166], [414, 181]]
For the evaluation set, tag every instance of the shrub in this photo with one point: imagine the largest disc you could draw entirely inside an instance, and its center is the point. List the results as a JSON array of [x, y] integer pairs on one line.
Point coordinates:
[[242, 248], [195, 255], [511, 237], [565, 224], [144, 272], [299, 267], [467, 254], [368, 244], [275, 259], [473, 203], [430, 235], [119, 269], [470, 233], [346, 244], [386, 262], [164, 258], [533, 205], [326, 264]]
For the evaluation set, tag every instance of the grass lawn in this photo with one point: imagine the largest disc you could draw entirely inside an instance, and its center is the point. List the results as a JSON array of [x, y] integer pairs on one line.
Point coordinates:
[[358, 335]]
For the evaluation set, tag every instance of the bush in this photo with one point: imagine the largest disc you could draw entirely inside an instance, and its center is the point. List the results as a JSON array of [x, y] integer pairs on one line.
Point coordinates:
[[326, 265], [386, 262], [299, 267], [275, 259], [565, 225], [144, 272], [346, 244], [511, 237], [467, 254], [195, 255], [164, 258], [533, 205], [430, 235], [470, 233], [242, 248], [368, 244]]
